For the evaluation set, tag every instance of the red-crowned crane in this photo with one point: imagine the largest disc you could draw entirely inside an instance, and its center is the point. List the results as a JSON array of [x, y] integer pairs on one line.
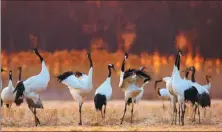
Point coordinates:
[[79, 84], [32, 87], [104, 92]]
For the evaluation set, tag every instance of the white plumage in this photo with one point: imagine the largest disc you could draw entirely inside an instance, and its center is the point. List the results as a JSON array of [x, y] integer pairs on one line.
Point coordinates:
[[168, 81], [1, 80], [38, 83], [129, 84], [103, 93], [105, 89], [140, 95], [79, 84], [168, 93], [199, 93], [32, 87], [79, 87], [7, 95], [164, 92], [132, 92], [121, 78], [208, 85], [200, 88], [2, 70], [134, 88], [179, 85]]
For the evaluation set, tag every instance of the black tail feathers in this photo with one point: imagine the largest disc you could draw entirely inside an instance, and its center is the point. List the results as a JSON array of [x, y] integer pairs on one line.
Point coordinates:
[[8, 106], [191, 94], [204, 100], [20, 88], [99, 101], [129, 101], [64, 76]]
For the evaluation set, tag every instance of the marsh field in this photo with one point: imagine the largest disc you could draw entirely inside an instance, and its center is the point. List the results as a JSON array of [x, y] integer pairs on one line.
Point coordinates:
[[61, 111], [148, 116]]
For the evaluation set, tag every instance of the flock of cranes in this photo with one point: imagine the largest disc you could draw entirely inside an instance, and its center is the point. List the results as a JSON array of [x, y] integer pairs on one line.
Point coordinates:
[[183, 90], [132, 82]]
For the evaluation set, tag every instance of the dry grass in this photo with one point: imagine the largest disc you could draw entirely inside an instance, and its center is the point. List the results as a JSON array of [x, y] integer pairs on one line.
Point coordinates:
[[63, 115]]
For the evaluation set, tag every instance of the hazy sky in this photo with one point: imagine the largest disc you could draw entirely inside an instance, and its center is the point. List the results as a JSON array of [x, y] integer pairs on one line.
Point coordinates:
[[74, 24]]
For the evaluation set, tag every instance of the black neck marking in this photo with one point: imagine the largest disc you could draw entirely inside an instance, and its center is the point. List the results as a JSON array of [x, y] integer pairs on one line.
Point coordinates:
[[10, 75], [123, 65], [40, 57], [110, 72], [20, 74], [90, 61], [187, 74], [193, 75], [178, 61]]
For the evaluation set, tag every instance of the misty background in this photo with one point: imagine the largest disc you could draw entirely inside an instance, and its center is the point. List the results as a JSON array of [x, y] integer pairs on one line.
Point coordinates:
[[75, 24]]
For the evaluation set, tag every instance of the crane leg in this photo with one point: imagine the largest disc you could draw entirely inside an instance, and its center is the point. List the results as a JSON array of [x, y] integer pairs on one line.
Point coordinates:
[[124, 113], [37, 122], [105, 111], [163, 104], [179, 113], [80, 114], [198, 112], [183, 113], [205, 111], [101, 111], [33, 110], [175, 112], [172, 110], [194, 112], [131, 121], [32, 107]]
